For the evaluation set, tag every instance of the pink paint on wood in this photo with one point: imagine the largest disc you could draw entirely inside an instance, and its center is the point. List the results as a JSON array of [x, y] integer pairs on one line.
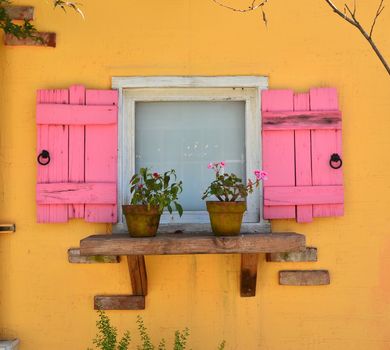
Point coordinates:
[[303, 158], [76, 115], [301, 120], [303, 195], [323, 99], [277, 100], [76, 193], [278, 151], [101, 142], [53, 138], [76, 150]]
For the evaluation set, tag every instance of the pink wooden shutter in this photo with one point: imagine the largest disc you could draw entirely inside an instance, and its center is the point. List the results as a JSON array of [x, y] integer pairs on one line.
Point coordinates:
[[78, 129], [301, 132]]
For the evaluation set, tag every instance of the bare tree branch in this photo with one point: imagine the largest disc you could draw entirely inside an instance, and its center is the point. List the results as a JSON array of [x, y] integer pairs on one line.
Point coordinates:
[[353, 20], [378, 13], [253, 7]]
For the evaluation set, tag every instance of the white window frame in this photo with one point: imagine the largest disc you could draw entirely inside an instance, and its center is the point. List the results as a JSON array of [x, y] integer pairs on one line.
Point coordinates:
[[228, 88]]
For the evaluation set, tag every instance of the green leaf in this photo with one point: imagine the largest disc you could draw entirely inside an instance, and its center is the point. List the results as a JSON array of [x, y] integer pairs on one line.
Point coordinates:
[[179, 208]]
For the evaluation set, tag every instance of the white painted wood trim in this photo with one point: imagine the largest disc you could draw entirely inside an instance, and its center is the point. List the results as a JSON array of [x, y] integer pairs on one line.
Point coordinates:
[[259, 82], [231, 88]]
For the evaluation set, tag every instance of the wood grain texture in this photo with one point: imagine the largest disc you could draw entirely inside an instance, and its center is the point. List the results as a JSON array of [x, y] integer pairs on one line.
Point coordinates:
[[76, 115], [20, 12], [249, 263], [303, 158], [278, 151], [101, 155], [138, 277], [304, 277], [195, 243], [76, 150], [47, 39], [307, 255], [119, 302], [303, 195], [76, 193], [53, 138], [74, 257], [301, 120]]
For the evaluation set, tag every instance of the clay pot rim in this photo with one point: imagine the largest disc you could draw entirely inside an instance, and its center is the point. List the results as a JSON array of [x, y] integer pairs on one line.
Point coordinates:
[[141, 209]]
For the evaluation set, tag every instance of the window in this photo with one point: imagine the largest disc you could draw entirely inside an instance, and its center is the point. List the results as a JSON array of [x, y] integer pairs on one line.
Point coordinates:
[[184, 124]]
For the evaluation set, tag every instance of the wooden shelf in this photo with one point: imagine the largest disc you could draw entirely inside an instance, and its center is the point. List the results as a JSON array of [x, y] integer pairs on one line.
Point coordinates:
[[191, 243], [249, 245]]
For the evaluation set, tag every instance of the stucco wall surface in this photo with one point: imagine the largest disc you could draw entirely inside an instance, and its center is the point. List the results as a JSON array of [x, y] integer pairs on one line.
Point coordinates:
[[47, 302]]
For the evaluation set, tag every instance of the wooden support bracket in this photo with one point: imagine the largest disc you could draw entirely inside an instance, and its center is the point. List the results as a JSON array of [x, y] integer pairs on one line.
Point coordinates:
[[138, 277], [249, 263]]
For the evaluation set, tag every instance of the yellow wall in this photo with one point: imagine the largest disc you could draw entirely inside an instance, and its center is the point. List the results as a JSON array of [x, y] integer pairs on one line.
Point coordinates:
[[47, 302]]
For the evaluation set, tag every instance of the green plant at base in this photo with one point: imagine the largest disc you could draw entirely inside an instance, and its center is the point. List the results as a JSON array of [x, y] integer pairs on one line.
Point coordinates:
[[106, 338]]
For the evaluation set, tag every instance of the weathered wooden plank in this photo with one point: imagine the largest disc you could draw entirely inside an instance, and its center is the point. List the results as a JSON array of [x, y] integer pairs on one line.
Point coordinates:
[[249, 263], [76, 150], [74, 257], [303, 158], [53, 138], [7, 228], [101, 154], [194, 243], [138, 277], [76, 193], [20, 12], [119, 302], [303, 195], [47, 39], [76, 114], [309, 254], [301, 120], [304, 277], [278, 151]]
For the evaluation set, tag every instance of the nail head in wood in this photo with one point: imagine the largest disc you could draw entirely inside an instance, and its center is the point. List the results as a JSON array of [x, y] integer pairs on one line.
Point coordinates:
[[74, 257], [48, 40], [309, 254], [119, 302], [304, 277]]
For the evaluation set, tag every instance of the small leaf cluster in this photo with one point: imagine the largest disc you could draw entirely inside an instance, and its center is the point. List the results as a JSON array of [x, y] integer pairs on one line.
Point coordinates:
[[229, 187], [106, 339], [21, 31], [156, 190]]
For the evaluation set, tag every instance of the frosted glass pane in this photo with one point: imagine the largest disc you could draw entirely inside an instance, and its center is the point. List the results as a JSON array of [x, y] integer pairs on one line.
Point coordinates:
[[186, 136]]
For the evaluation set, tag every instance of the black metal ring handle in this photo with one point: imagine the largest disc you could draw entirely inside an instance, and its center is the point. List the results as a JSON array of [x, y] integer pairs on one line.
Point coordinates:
[[44, 155], [335, 161]]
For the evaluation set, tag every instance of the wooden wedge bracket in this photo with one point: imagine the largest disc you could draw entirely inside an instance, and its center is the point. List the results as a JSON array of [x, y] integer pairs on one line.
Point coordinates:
[[249, 263]]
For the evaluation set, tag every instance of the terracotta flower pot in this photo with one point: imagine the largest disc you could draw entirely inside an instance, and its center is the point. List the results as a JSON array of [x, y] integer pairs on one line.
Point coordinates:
[[141, 220], [226, 217]]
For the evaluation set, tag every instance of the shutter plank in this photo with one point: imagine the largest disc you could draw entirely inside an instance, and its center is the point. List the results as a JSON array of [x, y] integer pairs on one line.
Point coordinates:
[[101, 142], [278, 151], [76, 149], [53, 138], [303, 157], [324, 144]]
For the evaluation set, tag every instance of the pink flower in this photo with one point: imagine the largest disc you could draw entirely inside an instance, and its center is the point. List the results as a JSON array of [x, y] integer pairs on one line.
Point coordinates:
[[140, 186], [260, 174], [156, 175], [222, 164], [210, 166]]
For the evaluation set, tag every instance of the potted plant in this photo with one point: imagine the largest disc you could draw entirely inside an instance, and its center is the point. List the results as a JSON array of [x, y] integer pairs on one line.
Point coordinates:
[[226, 213], [151, 193]]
